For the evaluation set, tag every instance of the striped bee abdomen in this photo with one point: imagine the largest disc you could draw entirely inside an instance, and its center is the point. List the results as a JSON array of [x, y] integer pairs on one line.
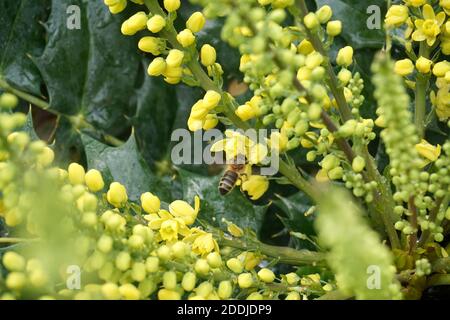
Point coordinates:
[[228, 182]]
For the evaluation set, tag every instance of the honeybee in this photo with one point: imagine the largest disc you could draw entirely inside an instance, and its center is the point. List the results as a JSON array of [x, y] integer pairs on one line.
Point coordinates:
[[232, 174]]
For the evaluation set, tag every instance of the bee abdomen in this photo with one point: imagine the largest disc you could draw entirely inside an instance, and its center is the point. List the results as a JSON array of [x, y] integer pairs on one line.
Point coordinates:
[[228, 182]]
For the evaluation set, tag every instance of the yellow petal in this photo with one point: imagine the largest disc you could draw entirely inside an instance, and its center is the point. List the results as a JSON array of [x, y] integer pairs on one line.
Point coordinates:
[[428, 12]]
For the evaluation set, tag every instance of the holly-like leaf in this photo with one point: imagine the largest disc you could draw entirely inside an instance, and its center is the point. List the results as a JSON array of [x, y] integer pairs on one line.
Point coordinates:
[[125, 164], [354, 16], [21, 37], [294, 219], [90, 70], [234, 207]]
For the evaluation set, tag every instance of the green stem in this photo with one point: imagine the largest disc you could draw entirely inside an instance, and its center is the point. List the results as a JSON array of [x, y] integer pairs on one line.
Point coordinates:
[[282, 254], [421, 94], [27, 97], [77, 121]]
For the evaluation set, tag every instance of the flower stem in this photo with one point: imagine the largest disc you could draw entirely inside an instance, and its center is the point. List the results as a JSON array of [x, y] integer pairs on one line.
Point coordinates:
[[282, 254], [77, 121]]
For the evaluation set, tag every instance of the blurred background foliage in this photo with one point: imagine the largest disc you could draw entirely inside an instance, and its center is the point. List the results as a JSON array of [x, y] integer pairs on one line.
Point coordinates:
[[95, 83]]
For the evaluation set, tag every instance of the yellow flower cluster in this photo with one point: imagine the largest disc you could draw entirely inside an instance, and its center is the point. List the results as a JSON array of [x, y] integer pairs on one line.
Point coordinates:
[[430, 28], [201, 116]]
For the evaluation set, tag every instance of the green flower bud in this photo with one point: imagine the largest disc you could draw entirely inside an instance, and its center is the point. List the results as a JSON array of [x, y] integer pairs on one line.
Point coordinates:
[[330, 162], [13, 261], [8, 101], [123, 261], [170, 280], [235, 265], [266, 275], [358, 164], [245, 280], [201, 267], [214, 259], [152, 264], [225, 289]]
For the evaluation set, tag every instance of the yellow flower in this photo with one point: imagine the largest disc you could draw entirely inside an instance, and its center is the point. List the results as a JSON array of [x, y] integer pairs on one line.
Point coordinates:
[[150, 203], [76, 174], [404, 67], [234, 230], [210, 122], [256, 186], [429, 28], [441, 68], [266, 275], [211, 99], [208, 55], [424, 65], [322, 175], [324, 14], [305, 47], [169, 230], [237, 144], [160, 220], [186, 38], [135, 23], [172, 5], [250, 109], [345, 56], [428, 151], [396, 15], [334, 28], [174, 58], [151, 44], [204, 244], [118, 7], [94, 180], [196, 22], [249, 260], [157, 67], [117, 195], [182, 209], [156, 23], [441, 99]]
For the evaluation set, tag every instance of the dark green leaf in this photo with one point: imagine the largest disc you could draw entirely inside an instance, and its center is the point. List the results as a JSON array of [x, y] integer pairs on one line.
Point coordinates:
[[294, 219], [125, 165], [234, 207], [90, 71], [353, 14], [22, 36]]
